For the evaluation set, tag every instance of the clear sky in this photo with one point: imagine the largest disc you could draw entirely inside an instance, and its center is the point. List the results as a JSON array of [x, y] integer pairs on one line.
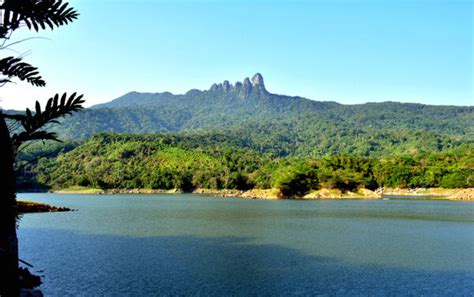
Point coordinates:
[[351, 51]]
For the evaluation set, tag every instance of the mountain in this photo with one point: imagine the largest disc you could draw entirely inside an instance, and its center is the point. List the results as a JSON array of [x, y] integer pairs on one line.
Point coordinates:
[[248, 115], [247, 90]]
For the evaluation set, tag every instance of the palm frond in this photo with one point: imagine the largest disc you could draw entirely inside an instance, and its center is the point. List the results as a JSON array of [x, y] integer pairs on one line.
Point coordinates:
[[14, 67], [32, 123], [35, 14]]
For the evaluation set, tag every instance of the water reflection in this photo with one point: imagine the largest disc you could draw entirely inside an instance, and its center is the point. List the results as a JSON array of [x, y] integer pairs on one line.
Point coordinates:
[[188, 245], [85, 264]]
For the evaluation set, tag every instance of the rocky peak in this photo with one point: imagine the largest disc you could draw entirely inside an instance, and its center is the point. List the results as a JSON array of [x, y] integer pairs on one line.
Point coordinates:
[[238, 86], [242, 89], [257, 80], [214, 87], [247, 82], [226, 85], [246, 88]]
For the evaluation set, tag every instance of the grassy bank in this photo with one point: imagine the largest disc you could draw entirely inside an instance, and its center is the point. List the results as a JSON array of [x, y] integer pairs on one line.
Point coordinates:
[[78, 190]]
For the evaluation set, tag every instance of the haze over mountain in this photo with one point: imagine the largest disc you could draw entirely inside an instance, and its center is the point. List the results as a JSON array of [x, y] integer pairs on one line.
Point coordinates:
[[247, 112]]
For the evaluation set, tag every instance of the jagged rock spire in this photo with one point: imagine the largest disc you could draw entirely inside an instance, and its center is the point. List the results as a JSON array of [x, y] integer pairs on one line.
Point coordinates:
[[226, 85], [246, 89], [242, 89], [257, 80]]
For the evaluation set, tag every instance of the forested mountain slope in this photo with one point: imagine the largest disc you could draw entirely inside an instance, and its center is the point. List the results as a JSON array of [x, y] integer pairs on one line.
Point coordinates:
[[280, 124]]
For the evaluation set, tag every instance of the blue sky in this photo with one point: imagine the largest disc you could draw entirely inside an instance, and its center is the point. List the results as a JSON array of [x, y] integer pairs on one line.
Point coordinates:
[[346, 51]]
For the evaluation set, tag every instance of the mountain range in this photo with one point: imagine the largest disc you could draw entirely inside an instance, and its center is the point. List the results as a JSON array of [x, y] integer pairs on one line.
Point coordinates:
[[246, 114]]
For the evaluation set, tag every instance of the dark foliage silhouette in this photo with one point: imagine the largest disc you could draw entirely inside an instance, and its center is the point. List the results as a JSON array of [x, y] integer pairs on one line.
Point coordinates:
[[35, 15]]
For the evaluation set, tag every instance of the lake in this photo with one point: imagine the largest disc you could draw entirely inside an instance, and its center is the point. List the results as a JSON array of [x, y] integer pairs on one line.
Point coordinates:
[[145, 245]]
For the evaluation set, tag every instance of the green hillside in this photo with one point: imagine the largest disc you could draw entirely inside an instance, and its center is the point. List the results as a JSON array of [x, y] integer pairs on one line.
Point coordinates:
[[247, 114], [113, 161]]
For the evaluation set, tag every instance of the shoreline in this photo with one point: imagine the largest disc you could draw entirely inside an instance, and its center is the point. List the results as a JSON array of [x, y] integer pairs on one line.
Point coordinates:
[[23, 206], [466, 194], [326, 194], [272, 194]]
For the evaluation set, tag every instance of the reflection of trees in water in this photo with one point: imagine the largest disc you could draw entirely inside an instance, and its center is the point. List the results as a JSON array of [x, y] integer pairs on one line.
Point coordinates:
[[218, 266]]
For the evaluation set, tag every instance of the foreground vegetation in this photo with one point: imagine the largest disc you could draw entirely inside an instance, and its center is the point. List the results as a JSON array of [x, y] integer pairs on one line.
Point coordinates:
[[116, 161]]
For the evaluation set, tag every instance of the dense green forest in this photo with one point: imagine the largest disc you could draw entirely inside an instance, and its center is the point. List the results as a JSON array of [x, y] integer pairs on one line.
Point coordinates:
[[118, 161]]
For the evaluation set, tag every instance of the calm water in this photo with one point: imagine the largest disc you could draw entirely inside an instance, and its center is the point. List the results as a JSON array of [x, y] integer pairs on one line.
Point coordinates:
[[196, 245]]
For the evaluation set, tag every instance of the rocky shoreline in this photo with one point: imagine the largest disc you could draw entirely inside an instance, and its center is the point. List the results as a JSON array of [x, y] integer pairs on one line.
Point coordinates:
[[450, 194], [420, 192], [466, 194], [250, 194]]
